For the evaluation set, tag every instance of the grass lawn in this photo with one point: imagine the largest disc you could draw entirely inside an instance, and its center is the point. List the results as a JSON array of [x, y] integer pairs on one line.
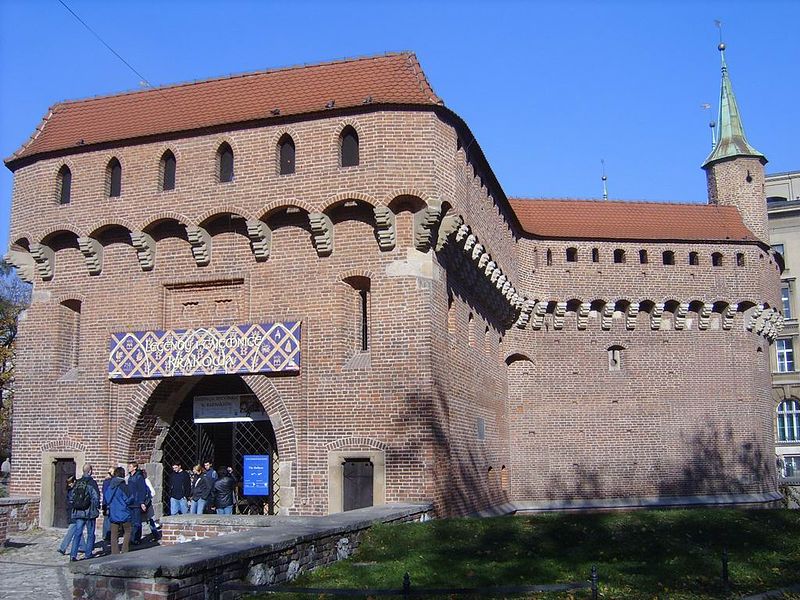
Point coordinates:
[[662, 554]]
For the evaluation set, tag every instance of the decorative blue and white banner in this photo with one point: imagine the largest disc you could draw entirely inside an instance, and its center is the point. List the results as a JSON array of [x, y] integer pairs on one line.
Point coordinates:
[[256, 348]]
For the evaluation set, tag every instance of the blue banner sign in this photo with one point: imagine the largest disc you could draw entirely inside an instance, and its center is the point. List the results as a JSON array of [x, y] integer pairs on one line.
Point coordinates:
[[256, 475], [253, 348]]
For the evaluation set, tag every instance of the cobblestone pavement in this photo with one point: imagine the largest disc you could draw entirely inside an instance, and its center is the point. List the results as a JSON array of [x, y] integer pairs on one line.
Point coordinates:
[[32, 569]]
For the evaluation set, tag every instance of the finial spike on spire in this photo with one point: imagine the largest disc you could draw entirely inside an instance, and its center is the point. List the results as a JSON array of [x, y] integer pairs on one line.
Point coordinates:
[[604, 179], [730, 139]]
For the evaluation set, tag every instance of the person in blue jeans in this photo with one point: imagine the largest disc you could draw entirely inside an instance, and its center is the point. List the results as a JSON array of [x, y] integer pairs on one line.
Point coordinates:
[[180, 488], [85, 516], [67, 541], [200, 491], [223, 492]]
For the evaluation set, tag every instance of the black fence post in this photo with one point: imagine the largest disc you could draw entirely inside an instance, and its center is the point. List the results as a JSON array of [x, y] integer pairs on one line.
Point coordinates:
[[726, 582], [594, 579], [406, 586]]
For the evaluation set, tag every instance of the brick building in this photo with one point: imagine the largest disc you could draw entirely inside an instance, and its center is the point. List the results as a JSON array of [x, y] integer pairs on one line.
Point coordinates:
[[318, 265]]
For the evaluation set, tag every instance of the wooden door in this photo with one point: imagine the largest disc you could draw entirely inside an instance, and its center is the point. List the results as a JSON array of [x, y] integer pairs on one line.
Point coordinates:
[[358, 476], [64, 468]]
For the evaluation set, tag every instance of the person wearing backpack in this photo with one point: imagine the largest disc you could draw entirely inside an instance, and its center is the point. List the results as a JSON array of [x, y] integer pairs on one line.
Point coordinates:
[[64, 547], [120, 505], [85, 510]]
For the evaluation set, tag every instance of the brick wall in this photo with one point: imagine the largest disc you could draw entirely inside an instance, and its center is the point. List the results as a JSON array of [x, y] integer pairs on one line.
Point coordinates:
[[436, 369]]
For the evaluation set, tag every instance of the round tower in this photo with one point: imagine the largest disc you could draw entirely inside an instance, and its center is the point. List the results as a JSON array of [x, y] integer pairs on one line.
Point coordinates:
[[734, 169]]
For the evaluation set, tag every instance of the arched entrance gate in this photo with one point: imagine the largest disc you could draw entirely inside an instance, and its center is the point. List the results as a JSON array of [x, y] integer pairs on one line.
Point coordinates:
[[221, 420]]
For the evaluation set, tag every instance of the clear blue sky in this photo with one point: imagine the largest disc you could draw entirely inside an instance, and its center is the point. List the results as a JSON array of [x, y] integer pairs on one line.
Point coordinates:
[[548, 88]]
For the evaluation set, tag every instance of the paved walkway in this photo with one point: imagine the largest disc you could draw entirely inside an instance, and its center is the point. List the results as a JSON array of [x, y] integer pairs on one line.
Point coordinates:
[[31, 569]]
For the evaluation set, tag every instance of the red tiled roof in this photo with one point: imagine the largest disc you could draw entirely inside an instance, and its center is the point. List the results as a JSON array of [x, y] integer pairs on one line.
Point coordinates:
[[604, 219], [387, 79]]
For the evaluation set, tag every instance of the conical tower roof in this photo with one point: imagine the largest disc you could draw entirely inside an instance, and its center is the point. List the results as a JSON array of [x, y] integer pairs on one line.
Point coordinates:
[[731, 140]]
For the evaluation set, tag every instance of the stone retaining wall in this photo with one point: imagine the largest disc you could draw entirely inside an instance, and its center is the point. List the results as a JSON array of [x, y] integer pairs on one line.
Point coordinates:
[[188, 528], [271, 554], [17, 514]]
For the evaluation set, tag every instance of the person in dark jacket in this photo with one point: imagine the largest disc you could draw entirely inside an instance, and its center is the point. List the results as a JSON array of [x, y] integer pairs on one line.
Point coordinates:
[[85, 517], [200, 491], [67, 541], [180, 488], [104, 508], [120, 505], [141, 496], [223, 492]]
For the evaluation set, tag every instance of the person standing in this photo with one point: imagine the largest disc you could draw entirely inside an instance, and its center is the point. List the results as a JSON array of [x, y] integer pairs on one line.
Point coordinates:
[[180, 488], [150, 514], [200, 491], [209, 471], [120, 506], [67, 541], [223, 493], [141, 495], [85, 510], [104, 507]]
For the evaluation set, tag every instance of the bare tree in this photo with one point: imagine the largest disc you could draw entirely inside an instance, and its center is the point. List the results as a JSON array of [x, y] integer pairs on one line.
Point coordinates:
[[15, 297]]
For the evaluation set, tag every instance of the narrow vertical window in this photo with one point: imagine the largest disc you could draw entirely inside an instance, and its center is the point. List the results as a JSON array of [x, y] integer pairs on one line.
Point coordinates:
[[739, 259], [70, 333], [471, 329], [668, 257], [595, 255], [643, 257], [348, 142], [549, 258], [716, 259], [694, 259], [364, 297], [168, 171], [786, 302], [619, 256], [225, 163], [286, 154], [64, 185], [114, 178]]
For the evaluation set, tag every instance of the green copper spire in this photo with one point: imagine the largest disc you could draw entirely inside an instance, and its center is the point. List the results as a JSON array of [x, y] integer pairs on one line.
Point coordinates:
[[730, 141]]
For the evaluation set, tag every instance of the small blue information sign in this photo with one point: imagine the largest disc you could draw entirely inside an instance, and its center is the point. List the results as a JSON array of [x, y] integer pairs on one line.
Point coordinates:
[[256, 474]]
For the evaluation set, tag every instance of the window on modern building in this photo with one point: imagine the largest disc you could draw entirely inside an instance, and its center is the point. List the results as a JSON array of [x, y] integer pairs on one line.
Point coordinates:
[[716, 259], [572, 255], [643, 257], [790, 466], [64, 185], [778, 248], [694, 259], [740, 259], [225, 162], [786, 301], [348, 143], [113, 178], [595, 255], [619, 255], [168, 166], [668, 257], [549, 257], [784, 351], [615, 358], [286, 154], [789, 421]]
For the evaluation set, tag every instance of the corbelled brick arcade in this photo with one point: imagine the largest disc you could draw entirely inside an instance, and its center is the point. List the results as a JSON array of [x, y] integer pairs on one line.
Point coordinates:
[[462, 347]]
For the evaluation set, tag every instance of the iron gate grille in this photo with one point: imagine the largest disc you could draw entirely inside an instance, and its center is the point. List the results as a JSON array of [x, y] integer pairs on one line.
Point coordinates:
[[189, 444]]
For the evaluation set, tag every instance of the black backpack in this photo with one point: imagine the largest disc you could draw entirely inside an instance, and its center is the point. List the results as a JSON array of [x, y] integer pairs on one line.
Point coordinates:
[[81, 498]]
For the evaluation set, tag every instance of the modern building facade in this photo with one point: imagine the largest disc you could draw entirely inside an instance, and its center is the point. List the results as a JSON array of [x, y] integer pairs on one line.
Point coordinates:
[[783, 209], [315, 270]]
